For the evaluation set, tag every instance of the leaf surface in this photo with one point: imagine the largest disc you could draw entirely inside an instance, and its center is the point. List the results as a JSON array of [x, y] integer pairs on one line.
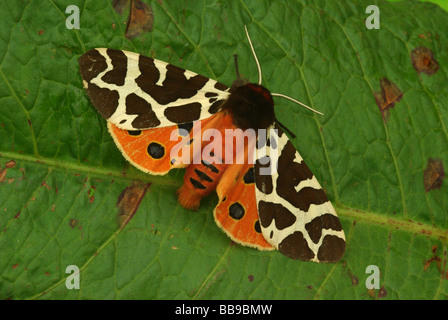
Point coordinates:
[[58, 200]]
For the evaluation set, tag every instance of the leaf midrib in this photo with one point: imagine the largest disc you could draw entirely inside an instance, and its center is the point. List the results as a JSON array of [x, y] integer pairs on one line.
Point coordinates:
[[355, 214], [85, 168]]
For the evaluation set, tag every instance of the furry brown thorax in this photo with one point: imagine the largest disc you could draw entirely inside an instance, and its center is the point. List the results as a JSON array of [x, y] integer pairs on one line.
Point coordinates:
[[251, 106]]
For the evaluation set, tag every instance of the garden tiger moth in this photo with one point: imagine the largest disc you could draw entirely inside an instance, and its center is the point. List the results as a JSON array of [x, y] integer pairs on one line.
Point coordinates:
[[153, 107]]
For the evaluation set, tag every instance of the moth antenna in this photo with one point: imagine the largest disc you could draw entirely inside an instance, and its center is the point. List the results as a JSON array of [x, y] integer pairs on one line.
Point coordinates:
[[298, 102], [255, 55], [235, 57], [260, 78]]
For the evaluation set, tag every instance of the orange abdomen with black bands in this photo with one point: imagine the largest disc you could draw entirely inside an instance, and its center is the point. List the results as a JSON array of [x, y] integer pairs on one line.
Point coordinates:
[[201, 179]]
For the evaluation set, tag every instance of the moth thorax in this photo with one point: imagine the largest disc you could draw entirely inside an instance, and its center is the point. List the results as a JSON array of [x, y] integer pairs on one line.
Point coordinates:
[[251, 106]]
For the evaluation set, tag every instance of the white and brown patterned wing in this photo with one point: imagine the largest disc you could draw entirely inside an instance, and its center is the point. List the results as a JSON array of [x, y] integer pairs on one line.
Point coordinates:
[[295, 215], [135, 92]]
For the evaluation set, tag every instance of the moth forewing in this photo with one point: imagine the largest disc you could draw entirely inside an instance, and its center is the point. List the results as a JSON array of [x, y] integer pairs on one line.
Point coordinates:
[[135, 92], [295, 215]]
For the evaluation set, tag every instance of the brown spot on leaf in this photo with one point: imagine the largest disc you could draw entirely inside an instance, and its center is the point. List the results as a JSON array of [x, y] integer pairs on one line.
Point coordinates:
[[355, 280], [82, 232], [44, 183], [140, 17], [2, 174], [251, 278], [433, 175], [382, 293], [119, 5], [91, 193], [129, 201], [73, 223], [387, 97], [423, 61], [435, 259], [371, 293], [10, 164]]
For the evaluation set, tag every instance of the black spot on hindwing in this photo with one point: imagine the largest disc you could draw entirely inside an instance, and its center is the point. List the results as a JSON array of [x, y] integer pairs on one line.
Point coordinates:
[[156, 150], [134, 132], [236, 211], [186, 128], [249, 176], [257, 226]]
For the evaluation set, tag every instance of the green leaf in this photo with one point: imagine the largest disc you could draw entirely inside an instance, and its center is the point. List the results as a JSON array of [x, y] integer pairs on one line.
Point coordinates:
[[58, 197]]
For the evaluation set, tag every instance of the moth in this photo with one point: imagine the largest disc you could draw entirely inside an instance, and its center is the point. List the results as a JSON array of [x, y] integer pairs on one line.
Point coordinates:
[[268, 197]]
